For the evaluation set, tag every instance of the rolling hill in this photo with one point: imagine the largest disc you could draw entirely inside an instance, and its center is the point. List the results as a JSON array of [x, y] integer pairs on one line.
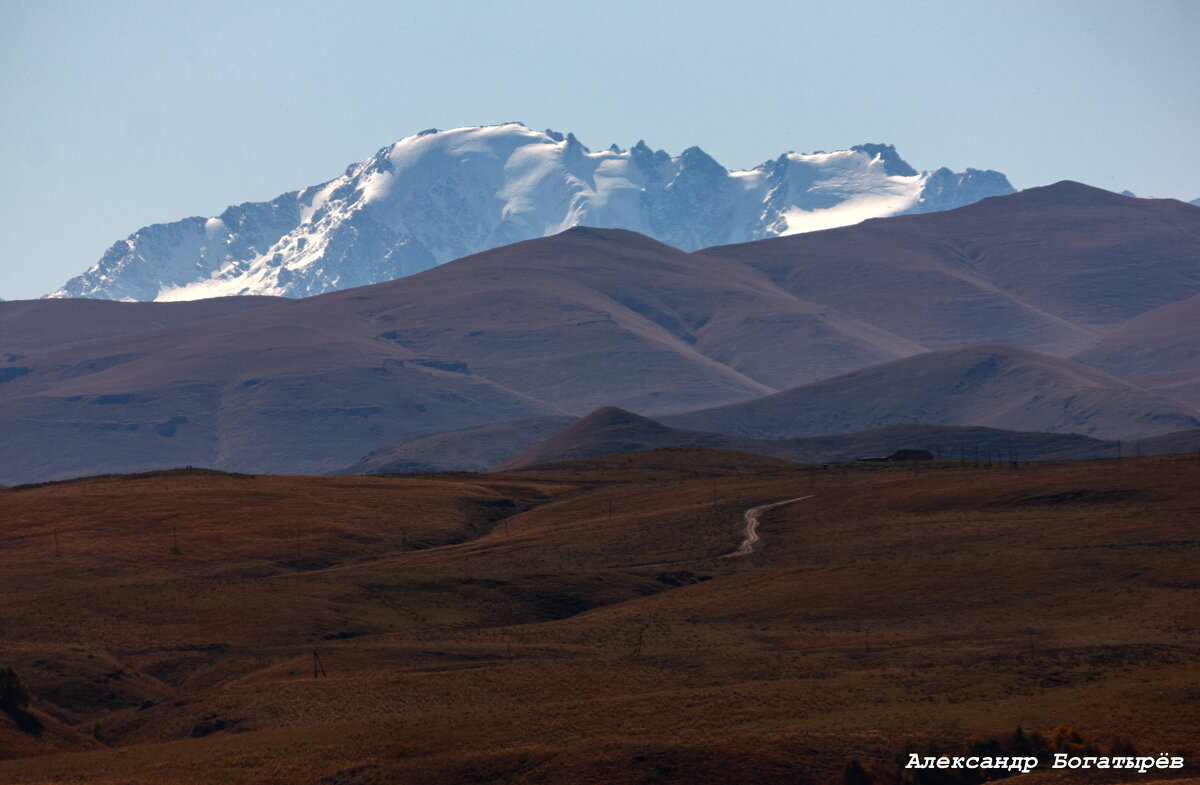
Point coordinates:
[[1048, 268], [39, 324], [612, 431], [577, 623], [248, 391], [994, 386], [548, 327], [475, 449], [1158, 350], [588, 318]]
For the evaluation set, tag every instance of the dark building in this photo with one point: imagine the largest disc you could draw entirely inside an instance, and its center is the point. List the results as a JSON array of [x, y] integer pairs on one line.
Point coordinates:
[[911, 455]]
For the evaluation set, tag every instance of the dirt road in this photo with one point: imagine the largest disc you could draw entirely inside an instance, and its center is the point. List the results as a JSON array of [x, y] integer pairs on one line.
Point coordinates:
[[751, 536]]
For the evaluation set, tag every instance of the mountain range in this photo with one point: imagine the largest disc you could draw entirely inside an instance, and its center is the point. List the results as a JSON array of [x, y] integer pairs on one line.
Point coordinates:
[[441, 195], [1062, 309]]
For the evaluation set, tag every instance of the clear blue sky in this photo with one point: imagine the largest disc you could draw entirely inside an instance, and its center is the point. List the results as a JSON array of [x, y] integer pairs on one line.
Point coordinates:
[[120, 114]]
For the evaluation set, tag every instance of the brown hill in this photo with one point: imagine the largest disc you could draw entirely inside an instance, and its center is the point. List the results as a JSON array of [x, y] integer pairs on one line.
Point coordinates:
[[1162, 341], [257, 391], [37, 324], [611, 431], [1158, 350], [606, 316], [576, 623], [541, 328], [562, 325], [1046, 269], [993, 386], [1176, 443], [468, 450]]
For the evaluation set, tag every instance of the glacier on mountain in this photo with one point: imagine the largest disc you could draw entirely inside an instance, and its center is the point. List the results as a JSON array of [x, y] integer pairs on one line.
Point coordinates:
[[441, 195]]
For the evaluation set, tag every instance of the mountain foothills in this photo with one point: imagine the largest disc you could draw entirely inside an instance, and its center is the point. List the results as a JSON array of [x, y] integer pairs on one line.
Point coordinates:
[[1063, 309], [611, 431], [441, 195], [994, 386]]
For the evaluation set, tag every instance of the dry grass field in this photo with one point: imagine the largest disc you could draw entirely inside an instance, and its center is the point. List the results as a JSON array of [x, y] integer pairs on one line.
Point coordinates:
[[576, 623]]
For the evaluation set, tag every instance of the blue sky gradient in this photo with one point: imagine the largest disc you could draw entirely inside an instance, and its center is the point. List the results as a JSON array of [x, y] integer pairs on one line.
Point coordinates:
[[122, 114]]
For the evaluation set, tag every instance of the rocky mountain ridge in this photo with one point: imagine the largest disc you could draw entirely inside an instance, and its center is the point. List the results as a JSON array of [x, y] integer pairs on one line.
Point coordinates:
[[441, 195]]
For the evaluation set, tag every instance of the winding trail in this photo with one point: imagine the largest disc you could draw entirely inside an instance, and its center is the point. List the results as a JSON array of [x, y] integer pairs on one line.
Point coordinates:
[[747, 546]]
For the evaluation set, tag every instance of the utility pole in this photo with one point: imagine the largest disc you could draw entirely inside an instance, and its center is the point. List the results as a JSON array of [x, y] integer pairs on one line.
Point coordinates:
[[56, 551], [318, 668], [175, 534]]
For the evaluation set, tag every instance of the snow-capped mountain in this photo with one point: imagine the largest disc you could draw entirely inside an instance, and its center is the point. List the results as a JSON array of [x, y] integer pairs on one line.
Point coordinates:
[[441, 195]]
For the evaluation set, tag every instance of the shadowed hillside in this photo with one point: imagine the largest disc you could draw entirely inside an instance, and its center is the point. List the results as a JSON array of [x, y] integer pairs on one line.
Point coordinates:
[[1158, 350], [993, 386], [1048, 268], [471, 449], [610, 431], [599, 317], [613, 431]]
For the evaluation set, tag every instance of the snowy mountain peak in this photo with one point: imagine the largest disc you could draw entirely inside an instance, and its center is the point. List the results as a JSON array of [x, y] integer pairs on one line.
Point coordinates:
[[893, 164], [439, 195]]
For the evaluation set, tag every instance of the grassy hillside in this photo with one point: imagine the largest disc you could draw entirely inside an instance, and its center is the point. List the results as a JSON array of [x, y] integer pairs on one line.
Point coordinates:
[[576, 624]]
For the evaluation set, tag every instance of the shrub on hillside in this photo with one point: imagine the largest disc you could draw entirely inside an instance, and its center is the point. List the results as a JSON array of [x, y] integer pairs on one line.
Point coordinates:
[[13, 694], [1017, 744], [854, 773], [1066, 739], [14, 697]]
